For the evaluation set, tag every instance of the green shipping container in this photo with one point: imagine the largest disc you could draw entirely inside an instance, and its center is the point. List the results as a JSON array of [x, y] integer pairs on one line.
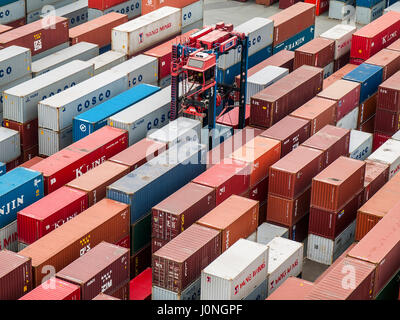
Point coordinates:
[[140, 234]]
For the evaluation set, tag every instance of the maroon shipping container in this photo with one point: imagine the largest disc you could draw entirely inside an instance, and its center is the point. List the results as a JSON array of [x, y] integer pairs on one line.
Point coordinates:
[[37, 36], [180, 210], [329, 224], [387, 122], [15, 275], [367, 125], [375, 36], [157, 244], [376, 175], [337, 184], [288, 212], [28, 153], [331, 287], [379, 139], [49, 213], [389, 60], [259, 192], [81, 156], [318, 52], [17, 23], [122, 293], [333, 141], [140, 261], [284, 4], [104, 268], [103, 4], [290, 131], [284, 96], [292, 174], [31, 162], [180, 261], [54, 289], [388, 94], [139, 153], [287, 23], [27, 131], [227, 178], [341, 62], [346, 93], [381, 247]]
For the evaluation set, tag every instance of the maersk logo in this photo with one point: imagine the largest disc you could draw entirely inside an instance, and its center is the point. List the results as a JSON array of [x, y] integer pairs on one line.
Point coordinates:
[[12, 205]]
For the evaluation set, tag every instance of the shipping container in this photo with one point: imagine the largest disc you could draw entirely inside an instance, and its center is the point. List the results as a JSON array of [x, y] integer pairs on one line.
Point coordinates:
[[43, 7], [106, 61], [141, 234], [50, 51], [76, 12], [54, 289], [27, 132], [379, 139], [49, 213], [80, 157], [296, 41], [191, 292], [338, 75], [21, 101], [292, 289], [107, 220], [96, 118], [266, 232], [163, 175], [150, 29], [132, 8], [318, 52], [365, 15], [387, 123], [376, 175], [10, 85], [51, 142], [389, 60], [259, 192], [140, 286], [225, 277], [341, 34], [97, 31], [360, 145], [15, 276], [349, 121], [103, 4], [15, 63], [187, 254], [231, 118], [388, 153], [394, 46], [367, 109], [10, 145], [31, 162], [9, 237], [13, 11], [388, 94], [140, 261]]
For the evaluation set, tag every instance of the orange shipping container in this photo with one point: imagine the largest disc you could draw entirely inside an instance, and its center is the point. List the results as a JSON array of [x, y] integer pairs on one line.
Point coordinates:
[[107, 221], [292, 289], [95, 181], [149, 6], [236, 218], [260, 153]]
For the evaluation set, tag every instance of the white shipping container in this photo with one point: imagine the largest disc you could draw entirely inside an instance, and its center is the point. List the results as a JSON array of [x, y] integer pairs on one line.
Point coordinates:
[[50, 51], [10, 145], [141, 33], [388, 153], [236, 273], [15, 63], [267, 231], [140, 118], [360, 144], [260, 33], [367, 15], [76, 12], [10, 85], [181, 130], [326, 251], [57, 112], [341, 10], [106, 61], [9, 237], [21, 101], [264, 78], [192, 13], [285, 260], [139, 69], [132, 8], [394, 7], [44, 8], [32, 5], [328, 70], [12, 11], [51, 141], [196, 25], [349, 121], [191, 292], [81, 51], [341, 34]]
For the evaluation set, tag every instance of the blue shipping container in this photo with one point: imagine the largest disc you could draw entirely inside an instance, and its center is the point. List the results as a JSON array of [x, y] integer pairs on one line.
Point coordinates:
[[4, 2], [104, 49], [2, 168], [151, 183], [19, 188], [96, 118], [369, 76], [367, 3], [296, 41]]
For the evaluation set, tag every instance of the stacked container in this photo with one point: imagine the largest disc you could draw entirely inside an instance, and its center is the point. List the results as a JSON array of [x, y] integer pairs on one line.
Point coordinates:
[[106, 61], [369, 10], [12, 12], [132, 8], [76, 12]]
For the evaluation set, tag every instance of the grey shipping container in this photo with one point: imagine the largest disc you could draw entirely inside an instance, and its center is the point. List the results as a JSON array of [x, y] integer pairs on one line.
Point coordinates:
[[264, 78], [132, 8], [342, 10], [195, 25], [191, 292], [267, 231], [34, 15], [140, 69], [80, 51], [367, 15], [21, 101], [15, 62], [107, 60], [51, 141], [139, 119], [50, 51], [76, 12], [33, 5], [10, 85], [10, 147], [57, 112], [12, 11]]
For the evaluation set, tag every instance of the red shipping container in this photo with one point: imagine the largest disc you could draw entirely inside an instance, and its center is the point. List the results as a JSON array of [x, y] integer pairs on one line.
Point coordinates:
[[329, 224], [163, 53], [140, 286], [333, 141], [381, 247], [339, 74], [97, 31], [387, 122], [388, 94], [37, 36], [54, 289], [180, 210], [227, 178], [50, 212], [292, 175], [375, 36], [389, 60], [231, 118], [320, 5], [81, 156], [149, 6], [140, 261], [379, 139], [259, 192], [290, 131], [27, 131], [346, 93], [103, 4], [376, 175], [284, 4], [318, 52], [31, 162], [337, 184]]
